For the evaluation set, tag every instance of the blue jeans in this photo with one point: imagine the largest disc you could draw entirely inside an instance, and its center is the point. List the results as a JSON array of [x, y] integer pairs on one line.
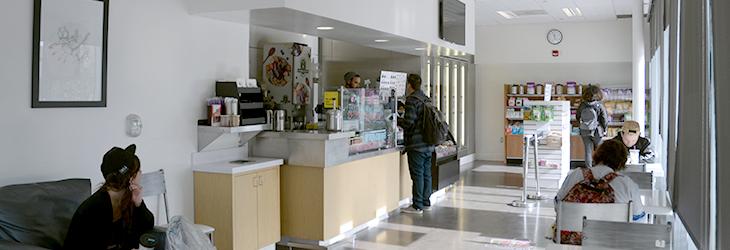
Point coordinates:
[[419, 164]]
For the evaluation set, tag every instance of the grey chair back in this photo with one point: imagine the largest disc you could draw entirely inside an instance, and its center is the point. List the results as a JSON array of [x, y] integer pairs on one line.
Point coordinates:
[[635, 168], [570, 214], [622, 235], [643, 179], [153, 184]]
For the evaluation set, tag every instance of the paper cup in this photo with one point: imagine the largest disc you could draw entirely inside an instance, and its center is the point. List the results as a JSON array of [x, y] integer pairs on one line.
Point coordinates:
[[634, 156], [225, 120]]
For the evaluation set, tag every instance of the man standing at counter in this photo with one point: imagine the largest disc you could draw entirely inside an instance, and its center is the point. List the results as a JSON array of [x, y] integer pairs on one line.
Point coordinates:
[[352, 80], [419, 152]]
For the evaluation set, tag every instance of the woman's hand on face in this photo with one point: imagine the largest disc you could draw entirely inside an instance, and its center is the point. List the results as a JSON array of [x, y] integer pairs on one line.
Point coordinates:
[[136, 194]]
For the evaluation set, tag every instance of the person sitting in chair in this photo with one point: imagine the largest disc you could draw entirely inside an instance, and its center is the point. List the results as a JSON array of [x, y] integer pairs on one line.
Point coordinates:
[[630, 136], [601, 184], [115, 216]]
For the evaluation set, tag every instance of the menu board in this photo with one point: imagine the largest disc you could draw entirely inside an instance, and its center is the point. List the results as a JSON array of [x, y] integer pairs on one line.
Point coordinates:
[[393, 80]]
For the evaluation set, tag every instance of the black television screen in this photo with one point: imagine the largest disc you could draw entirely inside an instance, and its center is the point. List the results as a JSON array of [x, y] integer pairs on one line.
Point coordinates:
[[452, 21]]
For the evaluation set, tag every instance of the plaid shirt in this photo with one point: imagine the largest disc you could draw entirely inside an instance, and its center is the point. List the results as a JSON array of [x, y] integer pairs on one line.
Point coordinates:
[[412, 123]]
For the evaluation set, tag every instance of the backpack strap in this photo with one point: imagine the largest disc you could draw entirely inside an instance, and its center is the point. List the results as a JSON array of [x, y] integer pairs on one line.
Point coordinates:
[[587, 174], [609, 177], [421, 99]]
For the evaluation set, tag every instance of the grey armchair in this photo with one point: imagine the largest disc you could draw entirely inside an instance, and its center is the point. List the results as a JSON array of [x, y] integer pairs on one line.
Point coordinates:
[[37, 215]]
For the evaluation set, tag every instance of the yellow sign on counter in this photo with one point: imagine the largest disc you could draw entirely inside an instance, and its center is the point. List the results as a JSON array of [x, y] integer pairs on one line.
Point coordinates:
[[330, 96]]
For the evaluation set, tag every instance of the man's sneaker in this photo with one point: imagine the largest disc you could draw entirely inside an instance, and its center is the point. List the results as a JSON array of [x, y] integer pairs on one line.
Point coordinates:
[[426, 208], [411, 210]]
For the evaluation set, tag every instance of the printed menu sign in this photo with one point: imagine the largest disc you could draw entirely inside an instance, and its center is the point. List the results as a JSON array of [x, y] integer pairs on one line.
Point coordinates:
[[393, 80]]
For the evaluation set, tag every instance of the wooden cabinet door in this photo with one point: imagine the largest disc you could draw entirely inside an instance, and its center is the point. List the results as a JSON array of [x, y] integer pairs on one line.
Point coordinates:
[[577, 150], [245, 212], [268, 207], [513, 146]]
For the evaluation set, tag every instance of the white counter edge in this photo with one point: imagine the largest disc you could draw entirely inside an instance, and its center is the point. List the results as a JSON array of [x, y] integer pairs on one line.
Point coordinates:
[[228, 168]]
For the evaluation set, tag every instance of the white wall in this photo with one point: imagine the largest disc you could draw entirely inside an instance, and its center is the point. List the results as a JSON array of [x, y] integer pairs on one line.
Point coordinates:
[[589, 53], [415, 19], [162, 64]]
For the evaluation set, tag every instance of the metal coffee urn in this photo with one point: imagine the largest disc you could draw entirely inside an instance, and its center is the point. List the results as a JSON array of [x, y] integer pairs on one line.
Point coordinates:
[[334, 119]]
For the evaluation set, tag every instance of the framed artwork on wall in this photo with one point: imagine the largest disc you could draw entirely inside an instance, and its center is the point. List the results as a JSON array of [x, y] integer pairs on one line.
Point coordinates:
[[69, 53]]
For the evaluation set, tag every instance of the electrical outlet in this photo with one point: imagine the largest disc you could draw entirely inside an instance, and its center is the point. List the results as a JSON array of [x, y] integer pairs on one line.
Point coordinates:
[[501, 139]]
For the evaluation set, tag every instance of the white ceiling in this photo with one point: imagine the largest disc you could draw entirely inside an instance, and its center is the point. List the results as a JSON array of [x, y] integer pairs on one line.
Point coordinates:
[[593, 10]]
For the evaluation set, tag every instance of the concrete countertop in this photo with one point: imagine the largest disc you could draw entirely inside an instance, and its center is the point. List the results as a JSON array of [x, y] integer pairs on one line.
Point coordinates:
[[228, 167]]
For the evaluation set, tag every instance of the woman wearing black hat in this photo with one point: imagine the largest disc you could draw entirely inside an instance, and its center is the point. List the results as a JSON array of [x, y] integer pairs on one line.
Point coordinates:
[[115, 216]]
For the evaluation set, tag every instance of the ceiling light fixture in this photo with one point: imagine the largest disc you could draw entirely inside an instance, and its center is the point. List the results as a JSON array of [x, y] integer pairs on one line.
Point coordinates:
[[578, 12], [571, 12], [568, 12], [381, 41], [507, 14], [325, 28], [420, 48]]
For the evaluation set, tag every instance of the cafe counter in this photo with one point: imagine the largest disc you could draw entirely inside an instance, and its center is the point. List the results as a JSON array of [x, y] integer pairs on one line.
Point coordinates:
[[327, 192]]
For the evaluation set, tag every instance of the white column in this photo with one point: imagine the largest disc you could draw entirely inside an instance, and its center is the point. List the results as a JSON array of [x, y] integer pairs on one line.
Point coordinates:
[[639, 63]]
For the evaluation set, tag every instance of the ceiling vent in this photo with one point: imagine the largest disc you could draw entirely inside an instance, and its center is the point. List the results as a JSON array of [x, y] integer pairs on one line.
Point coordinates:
[[523, 13]]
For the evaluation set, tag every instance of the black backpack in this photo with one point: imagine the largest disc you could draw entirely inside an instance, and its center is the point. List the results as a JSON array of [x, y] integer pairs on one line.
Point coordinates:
[[435, 129]]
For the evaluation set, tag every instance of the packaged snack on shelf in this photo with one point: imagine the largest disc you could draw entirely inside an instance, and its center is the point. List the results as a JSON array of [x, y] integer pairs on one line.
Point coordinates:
[[530, 88]]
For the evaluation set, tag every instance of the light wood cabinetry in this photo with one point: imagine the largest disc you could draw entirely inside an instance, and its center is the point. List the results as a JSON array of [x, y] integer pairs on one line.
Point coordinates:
[[320, 203], [577, 150], [245, 216], [268, 207], [243, 208], [513, 146]]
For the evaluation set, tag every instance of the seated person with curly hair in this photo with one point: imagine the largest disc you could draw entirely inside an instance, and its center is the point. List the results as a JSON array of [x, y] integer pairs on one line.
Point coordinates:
[[601, 184]]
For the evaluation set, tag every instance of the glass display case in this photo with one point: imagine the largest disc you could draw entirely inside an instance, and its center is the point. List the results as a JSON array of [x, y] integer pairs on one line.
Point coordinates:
[[371, 113]]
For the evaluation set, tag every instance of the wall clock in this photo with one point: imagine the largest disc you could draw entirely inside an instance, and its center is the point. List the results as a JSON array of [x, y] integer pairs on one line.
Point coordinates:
[[554, 36]]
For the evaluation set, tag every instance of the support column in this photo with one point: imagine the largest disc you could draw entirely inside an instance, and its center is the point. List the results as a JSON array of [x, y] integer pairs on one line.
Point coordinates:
[[639, 64]]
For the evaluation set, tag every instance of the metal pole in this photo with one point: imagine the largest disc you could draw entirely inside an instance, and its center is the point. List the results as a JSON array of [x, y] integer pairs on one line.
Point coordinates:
[[537, 195], [523, 202], [537, 173], [525, 165]]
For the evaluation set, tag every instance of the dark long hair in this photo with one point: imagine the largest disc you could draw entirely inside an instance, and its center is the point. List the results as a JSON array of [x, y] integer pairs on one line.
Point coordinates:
[[613, 154], [121, 182]]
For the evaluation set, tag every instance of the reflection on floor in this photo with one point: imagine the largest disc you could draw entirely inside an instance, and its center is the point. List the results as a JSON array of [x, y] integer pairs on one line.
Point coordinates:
[[471, 215]]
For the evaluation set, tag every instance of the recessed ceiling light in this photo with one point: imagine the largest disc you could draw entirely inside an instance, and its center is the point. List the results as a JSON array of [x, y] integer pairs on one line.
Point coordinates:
[[568, 12], [578, 12], [381, 41], [420, 48], [325, 28], [571, 12], [507, 14]]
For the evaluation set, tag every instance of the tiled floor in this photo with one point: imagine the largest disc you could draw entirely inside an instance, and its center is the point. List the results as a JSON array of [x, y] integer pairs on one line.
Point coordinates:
[[473, 214]]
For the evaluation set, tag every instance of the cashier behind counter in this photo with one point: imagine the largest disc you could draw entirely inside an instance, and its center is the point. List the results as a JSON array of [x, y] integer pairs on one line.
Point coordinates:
[[630, 137], [352, 80]]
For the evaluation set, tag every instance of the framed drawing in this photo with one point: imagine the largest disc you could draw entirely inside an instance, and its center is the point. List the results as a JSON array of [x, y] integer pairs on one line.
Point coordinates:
[[69, 53]]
